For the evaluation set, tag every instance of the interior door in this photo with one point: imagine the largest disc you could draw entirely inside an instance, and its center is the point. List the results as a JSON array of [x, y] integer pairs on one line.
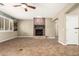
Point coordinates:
[[72, 29]]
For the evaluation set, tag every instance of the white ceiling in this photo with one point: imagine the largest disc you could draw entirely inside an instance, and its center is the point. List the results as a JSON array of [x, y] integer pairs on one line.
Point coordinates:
[[42, 10]]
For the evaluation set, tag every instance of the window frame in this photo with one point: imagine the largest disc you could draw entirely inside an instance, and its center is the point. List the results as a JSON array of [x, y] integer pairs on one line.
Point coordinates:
[[10, 21]]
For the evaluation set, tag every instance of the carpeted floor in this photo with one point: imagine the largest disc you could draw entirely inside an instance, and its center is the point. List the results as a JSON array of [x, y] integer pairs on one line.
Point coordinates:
[[36, 47]]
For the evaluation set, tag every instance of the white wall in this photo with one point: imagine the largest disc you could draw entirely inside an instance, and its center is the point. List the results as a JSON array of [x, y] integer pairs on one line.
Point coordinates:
[[4, 36]]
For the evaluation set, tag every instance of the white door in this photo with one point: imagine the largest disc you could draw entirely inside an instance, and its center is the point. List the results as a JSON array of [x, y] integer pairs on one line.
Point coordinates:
[[72, 29]]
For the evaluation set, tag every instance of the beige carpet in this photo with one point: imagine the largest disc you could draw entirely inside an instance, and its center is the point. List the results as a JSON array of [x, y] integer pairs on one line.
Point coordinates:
[[36, 47]]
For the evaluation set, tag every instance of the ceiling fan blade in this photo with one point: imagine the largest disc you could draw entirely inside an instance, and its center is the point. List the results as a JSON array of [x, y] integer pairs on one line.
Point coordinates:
[[26, 9], [24, 3], [17, 5], [1, 4], [29, 5]]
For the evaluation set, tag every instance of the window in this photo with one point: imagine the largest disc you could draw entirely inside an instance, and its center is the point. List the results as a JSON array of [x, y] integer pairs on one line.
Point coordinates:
[[1, 23], [6, 24], [11, 25]]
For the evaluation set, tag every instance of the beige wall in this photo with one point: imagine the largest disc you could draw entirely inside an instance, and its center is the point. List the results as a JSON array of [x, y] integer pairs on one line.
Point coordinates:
[[4, 36], [25, 28], [50, 28], [62, 28], [75, 11]]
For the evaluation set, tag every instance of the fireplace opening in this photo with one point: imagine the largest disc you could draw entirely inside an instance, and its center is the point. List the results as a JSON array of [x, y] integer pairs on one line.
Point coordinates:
[[39, 32]]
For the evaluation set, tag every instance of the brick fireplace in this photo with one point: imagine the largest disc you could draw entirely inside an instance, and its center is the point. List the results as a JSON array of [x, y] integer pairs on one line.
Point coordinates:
[[39, 26]]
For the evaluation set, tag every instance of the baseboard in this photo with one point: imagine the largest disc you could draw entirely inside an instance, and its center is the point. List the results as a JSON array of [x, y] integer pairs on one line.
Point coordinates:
[[51, 37], [8, 39], [62, 43], [35, 36], [66, 43], [24, 36], [72, 44]]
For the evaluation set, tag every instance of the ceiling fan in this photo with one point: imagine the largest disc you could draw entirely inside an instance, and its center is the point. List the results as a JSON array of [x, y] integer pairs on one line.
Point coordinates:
[[2, 4], [22, 4]]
